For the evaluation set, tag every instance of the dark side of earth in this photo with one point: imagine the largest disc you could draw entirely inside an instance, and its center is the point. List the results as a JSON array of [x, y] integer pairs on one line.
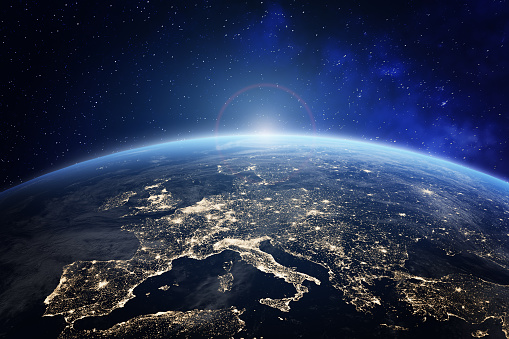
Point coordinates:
[[250, 236]]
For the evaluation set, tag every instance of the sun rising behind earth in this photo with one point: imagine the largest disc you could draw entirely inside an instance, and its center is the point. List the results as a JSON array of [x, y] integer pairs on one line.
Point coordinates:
[[265, 108]]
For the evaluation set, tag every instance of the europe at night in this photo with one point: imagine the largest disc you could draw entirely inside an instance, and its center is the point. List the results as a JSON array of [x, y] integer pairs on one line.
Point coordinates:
[[254, 169]]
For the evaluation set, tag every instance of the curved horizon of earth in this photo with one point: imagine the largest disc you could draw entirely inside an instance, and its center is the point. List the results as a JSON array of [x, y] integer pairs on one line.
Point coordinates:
[[244, 236]]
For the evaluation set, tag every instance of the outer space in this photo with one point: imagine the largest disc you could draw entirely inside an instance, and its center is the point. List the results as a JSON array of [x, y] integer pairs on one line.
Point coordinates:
[[82, 79]]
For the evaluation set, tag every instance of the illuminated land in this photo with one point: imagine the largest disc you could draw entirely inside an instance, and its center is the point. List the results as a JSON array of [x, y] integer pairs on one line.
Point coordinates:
[[344, 217]]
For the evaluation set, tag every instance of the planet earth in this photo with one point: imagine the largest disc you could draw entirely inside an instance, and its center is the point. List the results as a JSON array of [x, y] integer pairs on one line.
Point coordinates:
[[257, 236]]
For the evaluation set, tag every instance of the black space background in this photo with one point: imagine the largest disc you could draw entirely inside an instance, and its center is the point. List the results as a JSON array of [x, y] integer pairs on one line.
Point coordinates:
[[85, 79]]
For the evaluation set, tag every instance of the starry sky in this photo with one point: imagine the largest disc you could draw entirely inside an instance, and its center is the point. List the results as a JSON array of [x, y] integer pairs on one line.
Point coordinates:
[[81, 79]]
